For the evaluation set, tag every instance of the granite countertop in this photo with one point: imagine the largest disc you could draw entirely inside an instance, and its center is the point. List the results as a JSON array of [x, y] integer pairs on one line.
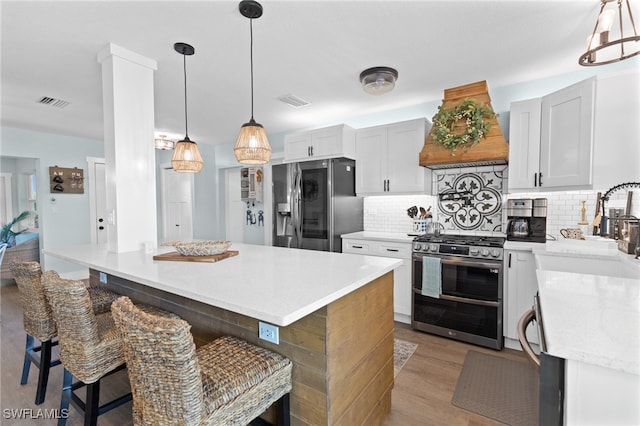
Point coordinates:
[[591, 317], [273, 284]]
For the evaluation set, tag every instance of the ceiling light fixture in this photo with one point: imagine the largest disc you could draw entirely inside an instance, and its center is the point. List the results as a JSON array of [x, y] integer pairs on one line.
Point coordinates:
[[601, 47], [252, 146], [186, 158], [378, 80], [163, 143]]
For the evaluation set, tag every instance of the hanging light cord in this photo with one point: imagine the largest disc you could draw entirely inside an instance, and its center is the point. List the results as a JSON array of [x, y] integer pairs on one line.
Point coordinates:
[[186, 124], [251, 60]]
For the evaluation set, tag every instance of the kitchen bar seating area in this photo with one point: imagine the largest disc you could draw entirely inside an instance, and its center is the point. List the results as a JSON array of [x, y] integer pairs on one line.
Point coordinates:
[[393, 246]]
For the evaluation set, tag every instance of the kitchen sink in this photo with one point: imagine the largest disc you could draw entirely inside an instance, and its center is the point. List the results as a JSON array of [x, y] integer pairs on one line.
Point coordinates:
[[608, 265]]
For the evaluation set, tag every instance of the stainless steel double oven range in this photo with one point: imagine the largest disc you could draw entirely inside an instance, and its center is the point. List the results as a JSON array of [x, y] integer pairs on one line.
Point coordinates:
[[470, 304]]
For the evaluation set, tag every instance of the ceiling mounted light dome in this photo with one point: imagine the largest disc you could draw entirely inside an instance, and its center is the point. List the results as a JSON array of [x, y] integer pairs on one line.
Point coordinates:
[[378, 80]]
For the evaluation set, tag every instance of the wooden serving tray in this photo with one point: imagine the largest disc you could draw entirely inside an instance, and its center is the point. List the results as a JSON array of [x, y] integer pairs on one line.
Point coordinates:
[[175, 256]]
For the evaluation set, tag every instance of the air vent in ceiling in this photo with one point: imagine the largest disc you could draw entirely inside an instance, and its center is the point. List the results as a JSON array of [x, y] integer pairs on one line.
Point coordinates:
[[294, 101], [58, 103]]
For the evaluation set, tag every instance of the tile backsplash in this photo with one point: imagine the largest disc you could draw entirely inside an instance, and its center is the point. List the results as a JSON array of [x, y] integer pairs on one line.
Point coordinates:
[[483, 213]]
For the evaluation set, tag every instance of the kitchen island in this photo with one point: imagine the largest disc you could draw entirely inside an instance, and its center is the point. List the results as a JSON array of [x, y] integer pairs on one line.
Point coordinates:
[[334, 312]]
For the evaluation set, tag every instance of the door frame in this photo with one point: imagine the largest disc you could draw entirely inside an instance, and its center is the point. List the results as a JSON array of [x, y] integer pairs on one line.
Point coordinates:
[[8, 195]]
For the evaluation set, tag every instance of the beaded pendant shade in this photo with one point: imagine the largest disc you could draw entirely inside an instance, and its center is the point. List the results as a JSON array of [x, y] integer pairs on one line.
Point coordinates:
[[252, 146], [186, 157]]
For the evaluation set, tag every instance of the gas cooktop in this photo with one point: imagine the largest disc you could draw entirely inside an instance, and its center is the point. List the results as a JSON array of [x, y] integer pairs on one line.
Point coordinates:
[[461, 240]]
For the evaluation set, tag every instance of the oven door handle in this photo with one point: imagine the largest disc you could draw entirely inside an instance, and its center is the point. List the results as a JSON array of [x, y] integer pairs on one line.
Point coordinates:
[[457, 261], [489, 303]]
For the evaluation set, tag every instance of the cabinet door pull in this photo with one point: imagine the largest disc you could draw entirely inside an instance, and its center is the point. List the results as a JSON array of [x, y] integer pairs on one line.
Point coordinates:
[[540, 179], [535, 180], [358, 247], [393, 250], [509, 261], [309, 151], [312, 150], [388, 185]]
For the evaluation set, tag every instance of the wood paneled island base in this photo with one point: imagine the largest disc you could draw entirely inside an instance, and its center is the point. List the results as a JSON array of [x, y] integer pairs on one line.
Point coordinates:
[[342, 353]]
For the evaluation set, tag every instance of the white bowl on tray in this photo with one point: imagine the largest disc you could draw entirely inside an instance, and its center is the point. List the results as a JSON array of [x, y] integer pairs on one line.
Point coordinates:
[[200, 248]]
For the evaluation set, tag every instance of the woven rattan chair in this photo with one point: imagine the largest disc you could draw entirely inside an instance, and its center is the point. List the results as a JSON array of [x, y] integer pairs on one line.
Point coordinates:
[[225, 382], [39, 323], [90, 347]]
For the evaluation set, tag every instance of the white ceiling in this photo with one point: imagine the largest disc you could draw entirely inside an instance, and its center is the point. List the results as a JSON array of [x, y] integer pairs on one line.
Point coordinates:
[[311, 49]]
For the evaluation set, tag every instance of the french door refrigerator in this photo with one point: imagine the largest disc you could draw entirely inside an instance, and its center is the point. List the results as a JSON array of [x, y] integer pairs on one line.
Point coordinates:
[[314, 203]]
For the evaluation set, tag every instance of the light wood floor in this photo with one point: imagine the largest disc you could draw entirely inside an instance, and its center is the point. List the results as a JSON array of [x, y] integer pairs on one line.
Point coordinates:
[[421, 395]]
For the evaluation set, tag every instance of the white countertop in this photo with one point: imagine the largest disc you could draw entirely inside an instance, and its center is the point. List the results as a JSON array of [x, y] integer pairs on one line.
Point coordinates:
[[394, 237], [273, 284], [588, 317]]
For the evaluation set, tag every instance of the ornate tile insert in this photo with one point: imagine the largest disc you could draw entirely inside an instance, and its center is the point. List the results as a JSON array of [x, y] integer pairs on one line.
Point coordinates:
[[471, 200]]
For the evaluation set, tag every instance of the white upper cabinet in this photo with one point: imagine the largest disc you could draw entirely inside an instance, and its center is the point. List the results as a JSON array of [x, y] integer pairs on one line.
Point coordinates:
[[617, 129], [524, 144], [330, 142], [387, 159], [551, 140], [566, 136]]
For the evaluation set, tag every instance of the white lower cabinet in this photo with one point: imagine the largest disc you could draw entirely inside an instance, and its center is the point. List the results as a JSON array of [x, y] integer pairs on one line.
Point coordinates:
[[401, 275], [520, 286]]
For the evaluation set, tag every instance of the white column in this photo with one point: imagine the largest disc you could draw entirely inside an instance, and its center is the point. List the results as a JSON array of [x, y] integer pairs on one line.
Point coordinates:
[[127, 91]]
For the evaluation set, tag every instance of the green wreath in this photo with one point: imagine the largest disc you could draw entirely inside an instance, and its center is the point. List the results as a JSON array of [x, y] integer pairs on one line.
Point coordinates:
[[449, 131]]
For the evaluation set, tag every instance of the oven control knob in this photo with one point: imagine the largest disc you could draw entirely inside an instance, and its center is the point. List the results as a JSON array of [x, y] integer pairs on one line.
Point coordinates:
[[495, 253], [433, 247], [484, 252], [473, 251], [417, 247]]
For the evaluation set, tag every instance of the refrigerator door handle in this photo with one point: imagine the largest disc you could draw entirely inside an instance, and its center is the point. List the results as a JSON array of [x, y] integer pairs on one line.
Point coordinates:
[[297, 205]]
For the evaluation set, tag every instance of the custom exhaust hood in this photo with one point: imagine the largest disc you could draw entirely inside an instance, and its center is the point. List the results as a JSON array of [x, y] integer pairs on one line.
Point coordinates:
[[491, 149]]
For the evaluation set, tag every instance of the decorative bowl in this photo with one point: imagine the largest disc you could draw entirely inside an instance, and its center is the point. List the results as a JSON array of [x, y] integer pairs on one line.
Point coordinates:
[[200, 248]]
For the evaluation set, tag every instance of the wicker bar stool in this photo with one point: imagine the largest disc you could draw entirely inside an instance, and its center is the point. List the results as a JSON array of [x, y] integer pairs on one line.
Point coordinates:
[[38, 321], [225, 382], [90, 347]]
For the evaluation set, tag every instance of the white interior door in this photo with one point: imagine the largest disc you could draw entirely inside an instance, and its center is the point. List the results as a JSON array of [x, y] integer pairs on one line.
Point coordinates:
[[6, 204], [235, 207], [98, 200], [177, 205]]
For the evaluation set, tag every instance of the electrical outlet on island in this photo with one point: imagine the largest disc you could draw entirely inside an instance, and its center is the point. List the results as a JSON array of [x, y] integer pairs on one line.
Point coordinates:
[[268, 332]]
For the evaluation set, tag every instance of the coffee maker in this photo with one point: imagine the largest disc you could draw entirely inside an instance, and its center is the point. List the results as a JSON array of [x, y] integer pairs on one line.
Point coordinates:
[[527, 220]]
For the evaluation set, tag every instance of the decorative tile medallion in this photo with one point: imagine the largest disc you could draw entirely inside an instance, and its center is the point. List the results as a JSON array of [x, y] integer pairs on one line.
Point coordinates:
[[471, 201]]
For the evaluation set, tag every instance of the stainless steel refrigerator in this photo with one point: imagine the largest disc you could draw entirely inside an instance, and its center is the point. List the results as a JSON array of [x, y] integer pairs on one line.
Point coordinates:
[[314, 203]]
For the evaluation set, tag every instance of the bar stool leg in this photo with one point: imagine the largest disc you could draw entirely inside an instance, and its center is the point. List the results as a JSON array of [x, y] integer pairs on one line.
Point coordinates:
[[27, 360], [92, 404], [45, 365], [67, 392], [283, 411]]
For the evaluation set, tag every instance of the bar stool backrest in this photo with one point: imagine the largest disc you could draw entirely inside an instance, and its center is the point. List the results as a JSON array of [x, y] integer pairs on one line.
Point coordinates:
[[162, 364], [37, 315]]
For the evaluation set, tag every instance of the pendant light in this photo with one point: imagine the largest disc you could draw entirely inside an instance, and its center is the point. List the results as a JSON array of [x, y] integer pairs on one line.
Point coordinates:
[[252, 146], [186, 157], [608, 42]]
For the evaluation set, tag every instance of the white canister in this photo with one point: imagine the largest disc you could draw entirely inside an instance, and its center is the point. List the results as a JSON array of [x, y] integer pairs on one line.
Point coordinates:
[[420, 226]]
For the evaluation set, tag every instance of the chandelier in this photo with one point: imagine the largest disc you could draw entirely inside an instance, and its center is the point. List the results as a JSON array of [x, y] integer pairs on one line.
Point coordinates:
[[607, 43]]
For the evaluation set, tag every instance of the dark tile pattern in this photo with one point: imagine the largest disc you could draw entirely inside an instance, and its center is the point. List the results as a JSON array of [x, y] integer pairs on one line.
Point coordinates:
[[470, 199]]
